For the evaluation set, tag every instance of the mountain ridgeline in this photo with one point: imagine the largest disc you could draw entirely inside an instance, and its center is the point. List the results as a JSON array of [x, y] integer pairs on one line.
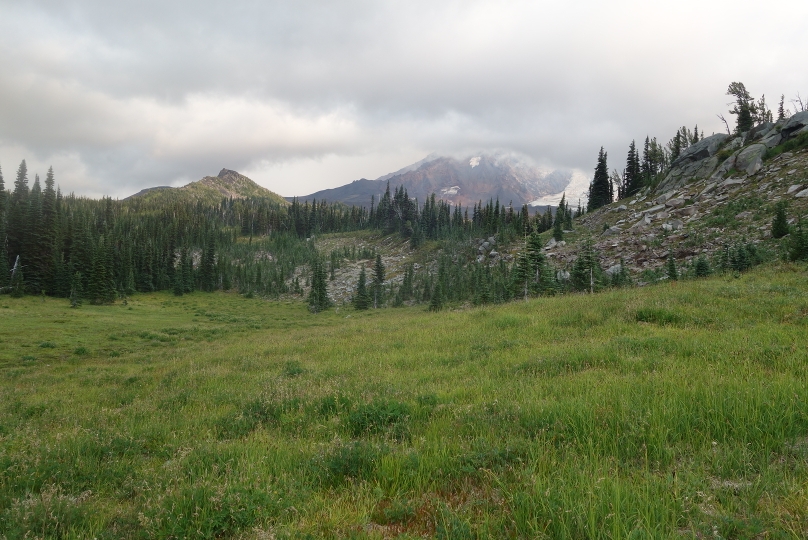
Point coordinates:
[[458, 181]]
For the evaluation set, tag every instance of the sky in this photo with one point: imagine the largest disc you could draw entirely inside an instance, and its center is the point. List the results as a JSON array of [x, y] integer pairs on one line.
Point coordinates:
[[306, 95]]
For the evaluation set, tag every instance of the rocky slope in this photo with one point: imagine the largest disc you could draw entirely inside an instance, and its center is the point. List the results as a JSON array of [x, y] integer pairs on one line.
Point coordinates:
[[458, 181], [720, 191]]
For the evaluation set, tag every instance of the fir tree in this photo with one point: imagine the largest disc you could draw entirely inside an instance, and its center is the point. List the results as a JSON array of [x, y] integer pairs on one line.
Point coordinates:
[[378, 281], [670, 269], [702, 268], [318, 295], [76, 292], [586, 270], [633, 178], [744, 109], [780, 222], [781, 111], [207, 267], [438, 299], [600, 189], [17, 228], [361, 299]]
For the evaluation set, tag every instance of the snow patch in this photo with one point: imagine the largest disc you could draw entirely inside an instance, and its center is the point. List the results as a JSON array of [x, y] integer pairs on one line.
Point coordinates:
[[450, 190], [576, 190], [474, 161]]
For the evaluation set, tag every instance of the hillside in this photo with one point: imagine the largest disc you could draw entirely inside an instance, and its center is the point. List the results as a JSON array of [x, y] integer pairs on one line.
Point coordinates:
[[212, 189], [720, 192], [463, 181]]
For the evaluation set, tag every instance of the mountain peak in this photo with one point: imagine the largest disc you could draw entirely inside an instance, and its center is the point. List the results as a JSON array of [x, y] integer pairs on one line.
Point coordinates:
[[225, 173]]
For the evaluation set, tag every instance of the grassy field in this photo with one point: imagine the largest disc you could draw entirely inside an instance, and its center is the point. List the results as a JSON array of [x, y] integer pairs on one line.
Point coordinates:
[[673, 411]]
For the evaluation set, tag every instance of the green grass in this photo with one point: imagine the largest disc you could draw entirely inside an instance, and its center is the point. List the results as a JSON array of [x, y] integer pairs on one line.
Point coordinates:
[[677, 410]]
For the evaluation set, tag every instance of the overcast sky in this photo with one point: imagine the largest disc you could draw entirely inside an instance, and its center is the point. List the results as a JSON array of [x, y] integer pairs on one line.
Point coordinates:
[[305, 95]]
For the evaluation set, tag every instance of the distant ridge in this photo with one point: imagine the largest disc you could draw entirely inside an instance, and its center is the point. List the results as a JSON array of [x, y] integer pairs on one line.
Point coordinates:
[[465, 181], [212, 189]]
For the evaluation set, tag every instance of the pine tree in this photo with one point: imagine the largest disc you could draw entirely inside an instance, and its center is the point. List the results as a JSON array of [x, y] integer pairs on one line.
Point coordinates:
[[745, 107], [633, 179], [586, 271], [702, 268], [438, 299], [17, 228], [600, 191], [780, 222], [207, 267], [76, 292], [48, 234], [781, 111], [34, 240], [378, 281], [318, 295], [100, 289], [361, 299], [670, 269]]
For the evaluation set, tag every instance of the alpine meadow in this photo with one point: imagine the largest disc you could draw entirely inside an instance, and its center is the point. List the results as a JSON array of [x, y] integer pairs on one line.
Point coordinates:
[[569, 299]]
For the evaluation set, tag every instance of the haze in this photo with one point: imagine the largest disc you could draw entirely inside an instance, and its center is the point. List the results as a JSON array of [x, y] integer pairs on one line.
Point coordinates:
[[302, 96]]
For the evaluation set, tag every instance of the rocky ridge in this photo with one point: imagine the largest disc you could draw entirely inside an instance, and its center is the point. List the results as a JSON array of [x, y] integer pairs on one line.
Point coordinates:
[[720, 191]]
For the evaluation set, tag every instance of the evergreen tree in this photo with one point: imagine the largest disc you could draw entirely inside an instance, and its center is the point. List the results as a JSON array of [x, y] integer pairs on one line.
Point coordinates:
[[17, 228], [670, 269], [318, 295], [378, 281], [100, 287], [586, 271], [361, 299], [633, 178], [558, 221], [48, 234], [207, 267], [702, 267], [600, 191], [781, 111], [744, 109], [522, 275], [438, 299], [76, 292], [36, 256], [780, 222]]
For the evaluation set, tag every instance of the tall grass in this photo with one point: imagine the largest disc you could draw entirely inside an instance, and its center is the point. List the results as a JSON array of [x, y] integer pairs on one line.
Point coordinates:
[[661, 412]]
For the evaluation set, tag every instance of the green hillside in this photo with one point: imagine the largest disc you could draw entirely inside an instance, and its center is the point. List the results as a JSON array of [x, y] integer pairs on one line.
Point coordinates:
[[670, 411], [211, 190]]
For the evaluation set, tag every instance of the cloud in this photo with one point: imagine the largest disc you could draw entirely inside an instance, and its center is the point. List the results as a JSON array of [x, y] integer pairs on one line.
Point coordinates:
[[308, 95]]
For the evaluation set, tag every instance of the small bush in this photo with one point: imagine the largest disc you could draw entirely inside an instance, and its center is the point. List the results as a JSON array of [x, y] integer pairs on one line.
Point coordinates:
[[81, 351], [47, 345]]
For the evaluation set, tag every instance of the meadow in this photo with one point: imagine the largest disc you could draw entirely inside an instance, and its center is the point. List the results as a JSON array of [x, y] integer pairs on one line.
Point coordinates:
[[678, 410]]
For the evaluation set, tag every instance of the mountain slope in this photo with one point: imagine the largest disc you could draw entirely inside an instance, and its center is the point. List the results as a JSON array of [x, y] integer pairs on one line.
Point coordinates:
[[458, 181], [720, 193], [212, 189]]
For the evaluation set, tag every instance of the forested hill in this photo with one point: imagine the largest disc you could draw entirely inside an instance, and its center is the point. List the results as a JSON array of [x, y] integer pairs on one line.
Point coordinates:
[[211, 189]]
